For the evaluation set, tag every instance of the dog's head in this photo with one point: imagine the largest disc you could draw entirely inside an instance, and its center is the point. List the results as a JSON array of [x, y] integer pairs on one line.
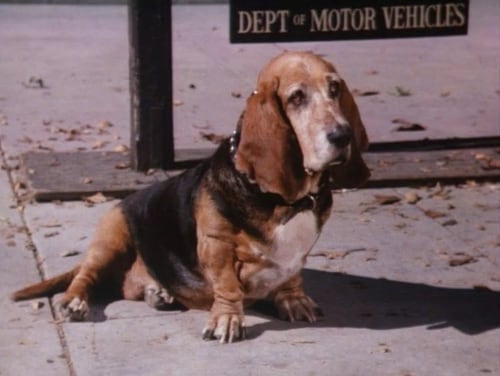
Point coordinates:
[[301, 121]]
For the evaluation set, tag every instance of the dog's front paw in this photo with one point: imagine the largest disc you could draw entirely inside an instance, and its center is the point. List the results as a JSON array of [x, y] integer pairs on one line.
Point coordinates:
[[74, 309], [297, 306], [227, 328]]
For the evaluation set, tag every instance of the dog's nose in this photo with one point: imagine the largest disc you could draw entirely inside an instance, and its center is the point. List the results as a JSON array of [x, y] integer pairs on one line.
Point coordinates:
[[340, 136]]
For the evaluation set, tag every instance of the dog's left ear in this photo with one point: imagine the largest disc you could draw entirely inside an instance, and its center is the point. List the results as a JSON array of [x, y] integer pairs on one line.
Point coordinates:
[[354, 172], [268, 152]]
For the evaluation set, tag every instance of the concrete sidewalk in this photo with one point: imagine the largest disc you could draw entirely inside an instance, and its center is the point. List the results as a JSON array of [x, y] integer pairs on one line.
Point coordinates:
[[407, 289]]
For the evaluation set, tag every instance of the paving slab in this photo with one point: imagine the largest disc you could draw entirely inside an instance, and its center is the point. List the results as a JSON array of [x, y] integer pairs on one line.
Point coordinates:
[[29, 340]]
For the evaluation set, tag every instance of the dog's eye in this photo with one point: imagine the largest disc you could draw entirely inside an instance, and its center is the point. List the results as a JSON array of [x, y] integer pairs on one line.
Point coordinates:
[[297, 98], [334, 88]]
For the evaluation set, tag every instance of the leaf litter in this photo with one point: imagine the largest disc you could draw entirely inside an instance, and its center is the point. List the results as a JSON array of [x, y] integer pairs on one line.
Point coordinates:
[[386, 199], [212, 137], [407, 126], [340, 255], [94, 199]]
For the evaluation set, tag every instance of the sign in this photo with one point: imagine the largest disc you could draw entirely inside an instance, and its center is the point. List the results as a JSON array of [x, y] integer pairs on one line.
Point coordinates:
[[318, 20]]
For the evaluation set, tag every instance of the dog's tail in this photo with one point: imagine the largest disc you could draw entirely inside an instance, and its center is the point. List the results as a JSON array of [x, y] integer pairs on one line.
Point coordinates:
[[49, 287]]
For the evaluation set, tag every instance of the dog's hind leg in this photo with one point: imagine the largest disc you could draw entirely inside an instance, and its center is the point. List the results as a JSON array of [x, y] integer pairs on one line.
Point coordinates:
[[139, 285], [107, 260], [157, 297]]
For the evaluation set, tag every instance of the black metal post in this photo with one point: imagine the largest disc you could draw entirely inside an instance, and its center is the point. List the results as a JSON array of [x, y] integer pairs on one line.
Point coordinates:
[[150, 39]]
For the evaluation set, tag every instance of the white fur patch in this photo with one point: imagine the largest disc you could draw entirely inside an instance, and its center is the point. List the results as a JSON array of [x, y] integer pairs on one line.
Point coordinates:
[[292, 242]]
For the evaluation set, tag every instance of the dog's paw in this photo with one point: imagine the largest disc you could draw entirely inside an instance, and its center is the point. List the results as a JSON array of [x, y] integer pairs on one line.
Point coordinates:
[[296, 307], [74, 309], [226, 328], [157, 297]]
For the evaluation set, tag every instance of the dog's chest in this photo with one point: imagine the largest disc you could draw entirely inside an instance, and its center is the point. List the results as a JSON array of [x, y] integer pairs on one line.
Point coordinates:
[[286, 256]]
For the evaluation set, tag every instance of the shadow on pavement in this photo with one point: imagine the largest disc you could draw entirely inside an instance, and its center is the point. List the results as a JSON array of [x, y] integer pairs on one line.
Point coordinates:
[[359, 302], [350, 301]]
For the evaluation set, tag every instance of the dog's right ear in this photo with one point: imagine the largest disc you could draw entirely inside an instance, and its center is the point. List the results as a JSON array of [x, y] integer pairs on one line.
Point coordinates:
[[268, 152]]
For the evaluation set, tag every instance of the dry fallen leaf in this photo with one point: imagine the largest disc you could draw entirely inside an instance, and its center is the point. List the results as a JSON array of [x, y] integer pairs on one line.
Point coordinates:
[[70, 253], [481, 156], [449, 222], [471, 184], [34, 83], [212, 137], [122, 165], [386, 199], [407, 126], [3, 120], [434, 214], [332, 254], [442, 163], [495, 278], [401, 92], [439, 191], [303, 342], [412, 198], [97, 198], [25, 140], [99, 145], [104, 124], [460, 259], [490, 164], [121, 148], [54, 163], [51, 234], [365, 93]]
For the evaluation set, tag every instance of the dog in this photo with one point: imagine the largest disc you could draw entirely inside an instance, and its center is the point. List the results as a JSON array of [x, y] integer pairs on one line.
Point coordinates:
[[238, 227]]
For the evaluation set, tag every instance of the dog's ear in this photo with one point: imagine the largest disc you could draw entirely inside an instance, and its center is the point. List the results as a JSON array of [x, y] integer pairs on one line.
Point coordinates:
[[354, 172], [268, 152]]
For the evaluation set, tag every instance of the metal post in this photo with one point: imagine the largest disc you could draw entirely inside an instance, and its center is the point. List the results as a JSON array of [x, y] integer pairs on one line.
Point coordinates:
[[150, 41]]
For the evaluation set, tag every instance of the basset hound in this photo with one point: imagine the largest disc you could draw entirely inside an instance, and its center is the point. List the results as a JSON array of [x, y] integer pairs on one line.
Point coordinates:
[[239, 226]]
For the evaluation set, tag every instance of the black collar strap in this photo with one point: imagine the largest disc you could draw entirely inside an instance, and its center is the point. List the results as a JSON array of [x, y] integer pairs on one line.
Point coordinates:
[[234, 141], [308, 202]]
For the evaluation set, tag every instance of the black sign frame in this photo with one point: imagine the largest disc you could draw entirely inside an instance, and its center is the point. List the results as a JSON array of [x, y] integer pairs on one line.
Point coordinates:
[[261, 21]]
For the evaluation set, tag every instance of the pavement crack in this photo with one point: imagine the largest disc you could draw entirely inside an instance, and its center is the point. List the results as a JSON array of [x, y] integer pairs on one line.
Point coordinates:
[[30, 245]]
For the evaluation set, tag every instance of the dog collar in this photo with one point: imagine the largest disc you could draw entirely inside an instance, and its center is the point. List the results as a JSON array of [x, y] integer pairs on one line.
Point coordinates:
[[234, 141], [308, 202]]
